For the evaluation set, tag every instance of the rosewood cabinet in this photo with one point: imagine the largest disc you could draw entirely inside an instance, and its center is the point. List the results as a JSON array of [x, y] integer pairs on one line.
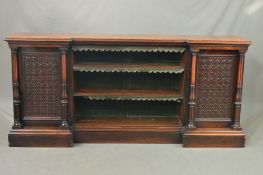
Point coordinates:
[[71, 88]]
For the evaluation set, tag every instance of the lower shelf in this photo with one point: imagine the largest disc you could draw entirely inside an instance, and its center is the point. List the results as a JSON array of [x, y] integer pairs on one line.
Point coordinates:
[[129, 94], [129, 124], [128, 130]]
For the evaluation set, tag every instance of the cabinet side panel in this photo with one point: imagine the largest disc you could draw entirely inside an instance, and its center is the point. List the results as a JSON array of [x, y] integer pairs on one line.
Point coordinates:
[[41, 84], [215, 90]]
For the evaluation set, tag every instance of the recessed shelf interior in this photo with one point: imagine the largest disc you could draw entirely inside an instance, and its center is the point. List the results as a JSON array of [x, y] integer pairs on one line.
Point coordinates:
[[118, 87]]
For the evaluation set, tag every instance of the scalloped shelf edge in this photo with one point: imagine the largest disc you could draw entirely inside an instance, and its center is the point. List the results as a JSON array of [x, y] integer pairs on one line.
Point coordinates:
[[176, 99], [176, 71], [128, 49]]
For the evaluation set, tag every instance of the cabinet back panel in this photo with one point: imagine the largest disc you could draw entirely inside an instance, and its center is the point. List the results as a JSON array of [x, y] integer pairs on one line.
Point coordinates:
[[127, 80], [107, 108], [127, 57]]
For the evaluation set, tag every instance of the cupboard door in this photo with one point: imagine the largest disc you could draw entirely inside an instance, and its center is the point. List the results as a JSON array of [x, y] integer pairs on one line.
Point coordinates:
[[215, 85], [41, 90]]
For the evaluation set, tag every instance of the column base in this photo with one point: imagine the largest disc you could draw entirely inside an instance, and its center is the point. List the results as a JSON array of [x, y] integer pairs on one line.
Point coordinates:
[[40, 137], [213, 137]]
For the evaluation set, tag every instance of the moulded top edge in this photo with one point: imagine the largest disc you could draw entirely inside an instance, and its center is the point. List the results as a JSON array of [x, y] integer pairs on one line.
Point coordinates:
[[38, 37], [183, 39], [217, 39]]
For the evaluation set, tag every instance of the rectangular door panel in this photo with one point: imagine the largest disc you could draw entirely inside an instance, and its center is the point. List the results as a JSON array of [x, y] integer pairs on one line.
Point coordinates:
[[215, 89], [41, 87]]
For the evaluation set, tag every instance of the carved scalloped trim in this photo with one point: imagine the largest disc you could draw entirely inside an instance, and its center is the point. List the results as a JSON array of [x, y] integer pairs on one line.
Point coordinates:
[[129, 49], [128, 70], [176, 99]]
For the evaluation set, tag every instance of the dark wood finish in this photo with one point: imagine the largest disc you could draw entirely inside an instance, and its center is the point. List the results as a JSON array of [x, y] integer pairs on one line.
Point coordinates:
[[62, 95]]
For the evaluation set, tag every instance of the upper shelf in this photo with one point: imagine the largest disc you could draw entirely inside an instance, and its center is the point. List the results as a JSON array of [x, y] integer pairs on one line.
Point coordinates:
[[130, 68], [128, 48]]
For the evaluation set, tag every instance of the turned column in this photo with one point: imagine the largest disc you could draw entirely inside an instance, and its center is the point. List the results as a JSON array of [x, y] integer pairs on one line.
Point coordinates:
[[192, 98], [16, 89], [238, 98], [64, 93]]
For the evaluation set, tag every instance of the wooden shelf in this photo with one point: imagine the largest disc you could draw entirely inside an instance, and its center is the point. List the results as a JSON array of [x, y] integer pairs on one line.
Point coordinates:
[[128, 67], [128, 124], [129, 94]]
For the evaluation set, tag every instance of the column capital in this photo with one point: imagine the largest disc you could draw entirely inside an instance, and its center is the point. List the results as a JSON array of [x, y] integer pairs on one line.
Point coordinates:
[[194, 50], [63, 49], [14, 49]]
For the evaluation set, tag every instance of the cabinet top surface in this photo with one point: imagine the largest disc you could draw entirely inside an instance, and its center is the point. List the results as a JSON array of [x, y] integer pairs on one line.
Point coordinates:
[[192, 39]]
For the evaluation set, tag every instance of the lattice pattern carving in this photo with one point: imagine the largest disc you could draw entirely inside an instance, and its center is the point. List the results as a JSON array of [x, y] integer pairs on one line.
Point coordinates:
[[41, 95], [214, 86]]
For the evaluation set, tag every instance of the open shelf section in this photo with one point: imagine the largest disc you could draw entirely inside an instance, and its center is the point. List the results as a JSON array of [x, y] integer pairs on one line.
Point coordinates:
[[125, 94], [128, 124], [129, 94], [131, 68]]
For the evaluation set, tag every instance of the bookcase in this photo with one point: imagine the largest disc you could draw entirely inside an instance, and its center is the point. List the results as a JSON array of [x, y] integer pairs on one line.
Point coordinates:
[[127, 89]]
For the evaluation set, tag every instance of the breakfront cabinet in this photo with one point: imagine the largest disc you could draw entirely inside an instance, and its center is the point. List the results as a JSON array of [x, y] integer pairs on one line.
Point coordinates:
[[74, 88]]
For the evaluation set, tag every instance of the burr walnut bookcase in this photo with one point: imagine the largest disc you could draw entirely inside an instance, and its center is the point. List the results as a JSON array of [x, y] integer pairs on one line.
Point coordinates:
[[127, 89]]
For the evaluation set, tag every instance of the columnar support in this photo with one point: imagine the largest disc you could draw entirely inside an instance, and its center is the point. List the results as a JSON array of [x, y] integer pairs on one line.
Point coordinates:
[[238, 98], [16, 90], [64, 94], [191, 103]]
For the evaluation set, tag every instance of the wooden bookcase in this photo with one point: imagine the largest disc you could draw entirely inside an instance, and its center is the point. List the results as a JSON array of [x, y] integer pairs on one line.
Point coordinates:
[[127, 89]]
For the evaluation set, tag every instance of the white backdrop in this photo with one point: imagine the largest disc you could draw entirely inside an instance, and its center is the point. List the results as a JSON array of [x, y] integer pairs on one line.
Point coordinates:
[[149, 17]]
